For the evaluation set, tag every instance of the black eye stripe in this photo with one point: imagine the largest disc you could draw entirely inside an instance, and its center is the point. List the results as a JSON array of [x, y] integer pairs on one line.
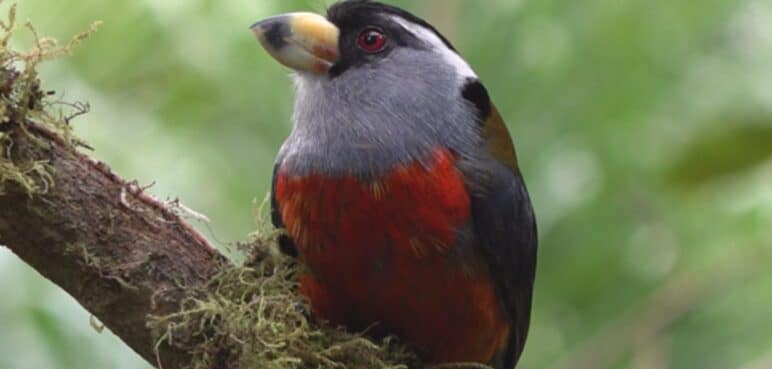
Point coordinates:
[[358, 12], [352, 17]]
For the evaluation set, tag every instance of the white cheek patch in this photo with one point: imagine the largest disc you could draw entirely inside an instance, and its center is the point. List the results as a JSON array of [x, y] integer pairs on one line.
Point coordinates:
[[452, 58]]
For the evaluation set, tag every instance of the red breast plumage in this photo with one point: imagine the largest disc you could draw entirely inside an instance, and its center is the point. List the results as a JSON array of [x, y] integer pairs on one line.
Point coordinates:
[[377, 252]]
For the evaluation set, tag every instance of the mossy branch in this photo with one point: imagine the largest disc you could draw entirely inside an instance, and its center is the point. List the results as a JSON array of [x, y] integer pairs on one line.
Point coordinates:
[[119, 252]]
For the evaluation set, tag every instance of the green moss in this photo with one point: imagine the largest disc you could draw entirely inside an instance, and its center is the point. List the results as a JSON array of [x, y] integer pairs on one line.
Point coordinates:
[[23, 101], [107, 269], [252, 316]]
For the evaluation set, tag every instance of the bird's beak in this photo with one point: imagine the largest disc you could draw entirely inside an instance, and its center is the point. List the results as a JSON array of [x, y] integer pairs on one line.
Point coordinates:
[[302, 41]]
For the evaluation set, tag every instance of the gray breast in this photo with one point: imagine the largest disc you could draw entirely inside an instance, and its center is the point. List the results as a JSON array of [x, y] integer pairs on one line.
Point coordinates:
[[379, 115]]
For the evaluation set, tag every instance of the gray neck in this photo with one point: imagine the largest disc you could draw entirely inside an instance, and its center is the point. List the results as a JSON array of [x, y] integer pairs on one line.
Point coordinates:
[[377, 116]]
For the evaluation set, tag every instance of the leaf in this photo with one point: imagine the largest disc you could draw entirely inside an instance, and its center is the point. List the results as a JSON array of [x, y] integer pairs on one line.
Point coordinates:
[[741, 145]]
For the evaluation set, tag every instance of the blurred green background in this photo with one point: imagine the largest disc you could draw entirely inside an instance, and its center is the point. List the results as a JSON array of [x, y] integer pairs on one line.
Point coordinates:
[[644, 129]]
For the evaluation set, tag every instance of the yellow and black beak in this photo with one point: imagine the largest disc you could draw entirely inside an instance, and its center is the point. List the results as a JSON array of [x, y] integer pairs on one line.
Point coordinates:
[[302, 41]]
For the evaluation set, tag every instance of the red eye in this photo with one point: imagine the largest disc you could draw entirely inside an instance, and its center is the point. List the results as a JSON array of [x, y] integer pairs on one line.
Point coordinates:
[[372, 41]]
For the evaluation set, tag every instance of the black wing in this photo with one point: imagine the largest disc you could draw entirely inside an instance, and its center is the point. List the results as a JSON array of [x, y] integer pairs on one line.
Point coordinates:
[[286, 245], [505, 229]]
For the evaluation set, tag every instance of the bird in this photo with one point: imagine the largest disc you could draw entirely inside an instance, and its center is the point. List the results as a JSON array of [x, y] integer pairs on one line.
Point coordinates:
[[399, 188]]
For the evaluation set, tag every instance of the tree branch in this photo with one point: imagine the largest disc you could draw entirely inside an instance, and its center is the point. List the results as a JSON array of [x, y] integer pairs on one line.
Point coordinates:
[[120, 253]]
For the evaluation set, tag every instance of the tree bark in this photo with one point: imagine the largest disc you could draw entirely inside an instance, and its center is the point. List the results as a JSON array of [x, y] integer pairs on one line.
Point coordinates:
[[122, 254]]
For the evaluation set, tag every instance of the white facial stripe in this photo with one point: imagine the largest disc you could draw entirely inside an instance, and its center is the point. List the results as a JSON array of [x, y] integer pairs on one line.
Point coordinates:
[[452, 58]]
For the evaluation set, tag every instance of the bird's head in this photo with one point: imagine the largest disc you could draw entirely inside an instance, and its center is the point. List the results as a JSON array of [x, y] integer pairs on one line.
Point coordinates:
[[355, 34], [374, 76]]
